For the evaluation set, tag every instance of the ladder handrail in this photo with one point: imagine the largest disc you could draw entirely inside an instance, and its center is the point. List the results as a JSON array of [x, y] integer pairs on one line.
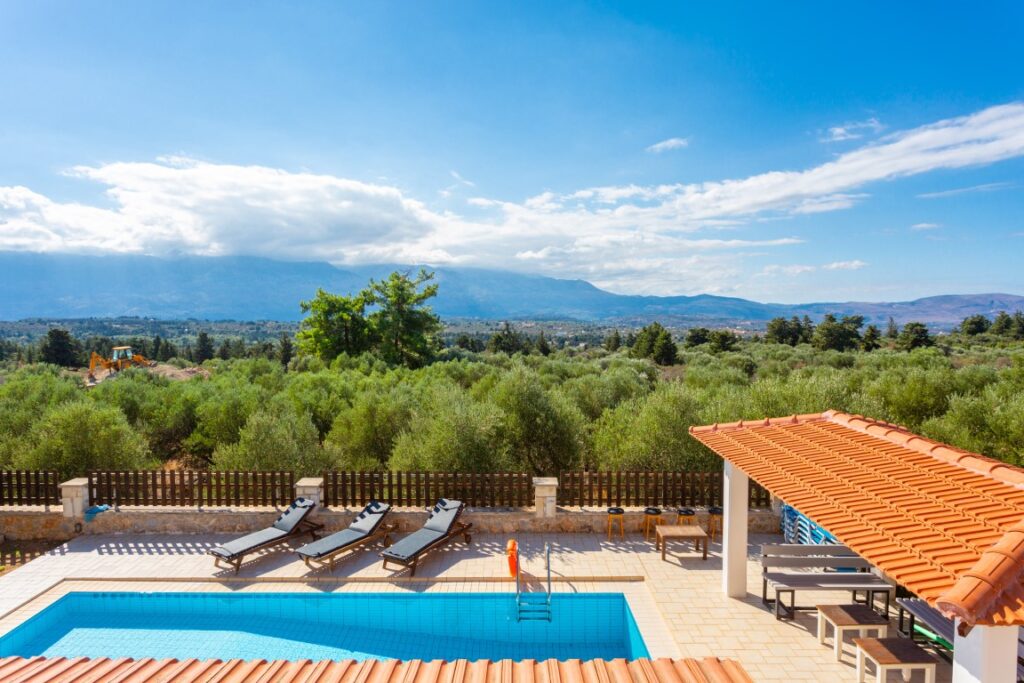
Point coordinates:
[[519, 570], [547, 552], [526, 608]]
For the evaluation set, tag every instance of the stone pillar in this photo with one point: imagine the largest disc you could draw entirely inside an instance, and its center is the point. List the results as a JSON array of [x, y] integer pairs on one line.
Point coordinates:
[[310, 488], [545, 496], [736, 510], [74, 494], [987, 654]]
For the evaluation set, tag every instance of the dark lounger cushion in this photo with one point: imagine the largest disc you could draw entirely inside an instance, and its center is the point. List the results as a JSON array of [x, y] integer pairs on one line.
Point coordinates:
[[366, 523], [443, 515], [295, 513], [245, 544], [413, 544], [370, 518], [329, 544]]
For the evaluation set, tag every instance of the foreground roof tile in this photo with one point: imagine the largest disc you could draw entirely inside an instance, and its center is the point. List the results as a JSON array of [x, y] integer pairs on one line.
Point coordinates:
[[947, 524], [104, 670]]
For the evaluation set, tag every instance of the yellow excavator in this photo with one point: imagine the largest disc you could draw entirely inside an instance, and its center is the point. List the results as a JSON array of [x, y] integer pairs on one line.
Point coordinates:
[[120, 358]]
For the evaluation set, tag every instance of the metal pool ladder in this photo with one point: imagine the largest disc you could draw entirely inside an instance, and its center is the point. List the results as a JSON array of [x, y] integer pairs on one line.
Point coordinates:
[[534, 606]]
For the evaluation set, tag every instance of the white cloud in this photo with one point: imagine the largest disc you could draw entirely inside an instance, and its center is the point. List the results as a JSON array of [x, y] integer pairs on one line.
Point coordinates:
[[987, 187], [800, 269], [856, 264], [925, 226], [669, 144], [629, 238], [831, 202], [853, 130], [797, 269], [460, 182]]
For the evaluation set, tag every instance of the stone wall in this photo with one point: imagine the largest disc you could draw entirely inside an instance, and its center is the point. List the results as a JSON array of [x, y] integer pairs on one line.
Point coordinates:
[[38, 524]]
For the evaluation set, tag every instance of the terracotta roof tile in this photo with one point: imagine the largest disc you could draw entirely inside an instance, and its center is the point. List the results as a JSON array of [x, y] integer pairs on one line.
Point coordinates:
[[103, 670], [947, 524]]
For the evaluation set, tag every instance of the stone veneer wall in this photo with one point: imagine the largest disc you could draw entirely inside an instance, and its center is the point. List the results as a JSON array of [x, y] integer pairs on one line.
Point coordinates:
[[38, 524]]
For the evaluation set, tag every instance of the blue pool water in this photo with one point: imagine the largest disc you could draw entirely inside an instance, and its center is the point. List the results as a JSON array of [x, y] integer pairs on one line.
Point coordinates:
[[326, 626]]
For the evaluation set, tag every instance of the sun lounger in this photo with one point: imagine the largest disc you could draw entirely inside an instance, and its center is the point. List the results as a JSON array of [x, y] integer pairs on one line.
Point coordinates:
[[292, 522], [441, 526], [368, 527]]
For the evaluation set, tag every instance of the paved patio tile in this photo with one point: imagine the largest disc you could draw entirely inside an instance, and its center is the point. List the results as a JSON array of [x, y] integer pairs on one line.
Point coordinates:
[[696, 619]]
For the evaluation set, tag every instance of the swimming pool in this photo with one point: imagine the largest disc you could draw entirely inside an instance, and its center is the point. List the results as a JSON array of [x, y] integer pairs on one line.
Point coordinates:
[[356, 626]]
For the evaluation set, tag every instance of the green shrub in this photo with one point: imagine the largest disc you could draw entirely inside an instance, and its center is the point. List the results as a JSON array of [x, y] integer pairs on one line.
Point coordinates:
[[542, 432], [450, 432], [652, 433], [25, 397], [79, 436], [365, 432], [274, 438]]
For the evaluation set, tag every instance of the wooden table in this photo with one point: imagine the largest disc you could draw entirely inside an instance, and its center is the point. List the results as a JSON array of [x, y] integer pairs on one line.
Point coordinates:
[[688, 532], [893, 654], [843, 618]]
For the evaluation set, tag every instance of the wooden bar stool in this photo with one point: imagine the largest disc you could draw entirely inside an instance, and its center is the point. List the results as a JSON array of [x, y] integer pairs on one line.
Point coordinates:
[[615, 516], [686, 516], [714, 521], [652, 518]]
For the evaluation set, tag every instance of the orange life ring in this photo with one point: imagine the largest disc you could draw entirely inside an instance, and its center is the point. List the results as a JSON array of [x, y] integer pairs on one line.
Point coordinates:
[[512, 549]]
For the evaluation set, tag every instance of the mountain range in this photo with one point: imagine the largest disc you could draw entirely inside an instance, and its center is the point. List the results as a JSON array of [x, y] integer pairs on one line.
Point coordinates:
[[34, 285]]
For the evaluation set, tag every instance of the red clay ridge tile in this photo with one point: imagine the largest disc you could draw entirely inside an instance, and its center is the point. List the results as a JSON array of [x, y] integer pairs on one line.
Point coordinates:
[[999, 569], [103, 670]]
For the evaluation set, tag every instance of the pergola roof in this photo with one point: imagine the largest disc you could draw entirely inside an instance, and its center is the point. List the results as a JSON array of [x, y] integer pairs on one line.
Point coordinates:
[[945, 523]]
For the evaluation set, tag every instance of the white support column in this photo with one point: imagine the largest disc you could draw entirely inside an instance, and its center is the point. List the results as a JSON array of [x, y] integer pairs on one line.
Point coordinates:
[[988, 654], [734, 532]]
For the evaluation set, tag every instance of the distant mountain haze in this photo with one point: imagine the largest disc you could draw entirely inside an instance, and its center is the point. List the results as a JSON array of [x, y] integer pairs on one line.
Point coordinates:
[[248, 288]]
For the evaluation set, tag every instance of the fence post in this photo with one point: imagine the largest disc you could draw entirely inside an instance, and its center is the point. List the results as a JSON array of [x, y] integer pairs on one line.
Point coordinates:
[[74, 495], [545, 495], [310, 488]]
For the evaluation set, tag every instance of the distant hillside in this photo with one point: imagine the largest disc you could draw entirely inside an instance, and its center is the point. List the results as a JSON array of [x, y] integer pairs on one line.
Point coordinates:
[[246, 288]]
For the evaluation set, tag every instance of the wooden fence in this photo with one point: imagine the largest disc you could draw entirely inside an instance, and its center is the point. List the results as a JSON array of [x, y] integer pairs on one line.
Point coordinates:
[[192, 488], [639, 489], [29, 487], [421, 489]]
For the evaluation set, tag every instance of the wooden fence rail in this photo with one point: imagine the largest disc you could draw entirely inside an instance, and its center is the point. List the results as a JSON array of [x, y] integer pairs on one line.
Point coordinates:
[[29, 487], [640, 489], [420, 489], [192, 488]]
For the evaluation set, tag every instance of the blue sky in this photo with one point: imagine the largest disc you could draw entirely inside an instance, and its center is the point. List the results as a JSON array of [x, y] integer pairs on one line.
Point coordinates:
[[776, 151]]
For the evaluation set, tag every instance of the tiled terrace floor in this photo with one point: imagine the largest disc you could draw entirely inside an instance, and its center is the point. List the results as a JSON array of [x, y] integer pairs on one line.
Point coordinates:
[[685, 590]]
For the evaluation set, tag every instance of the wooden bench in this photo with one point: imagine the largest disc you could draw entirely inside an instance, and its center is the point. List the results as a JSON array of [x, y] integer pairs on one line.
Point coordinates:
[[893, 654], [804, 558], [843, 618]]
